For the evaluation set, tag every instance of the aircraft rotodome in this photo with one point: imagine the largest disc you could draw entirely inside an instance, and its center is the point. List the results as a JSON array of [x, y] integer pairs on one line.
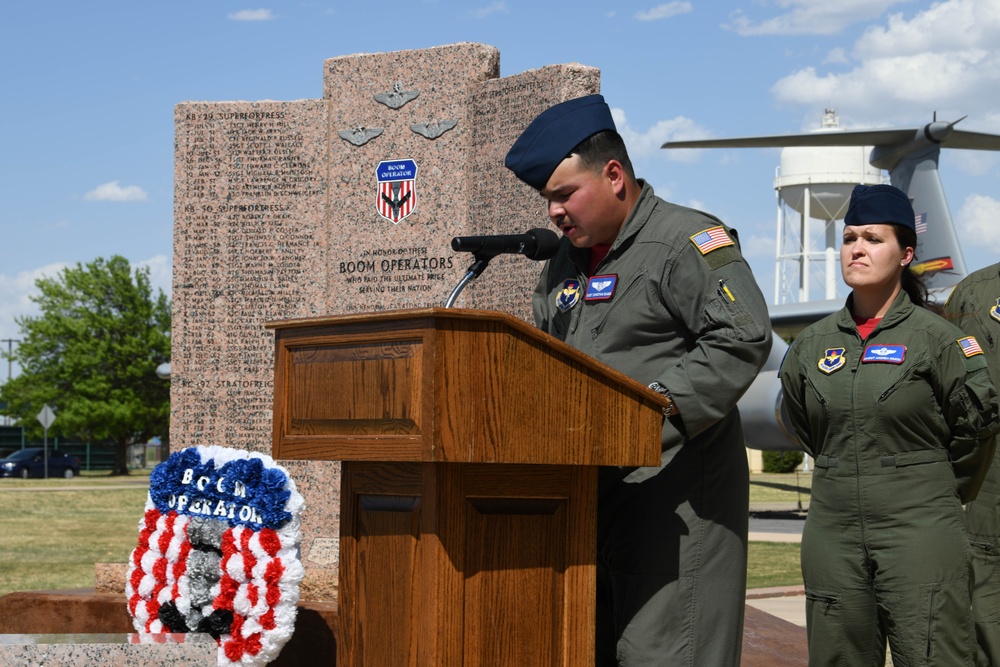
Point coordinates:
[[910, 155]]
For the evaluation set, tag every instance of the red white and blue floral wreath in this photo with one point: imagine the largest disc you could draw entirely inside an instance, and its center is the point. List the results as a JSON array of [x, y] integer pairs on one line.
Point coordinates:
[[218, 553]]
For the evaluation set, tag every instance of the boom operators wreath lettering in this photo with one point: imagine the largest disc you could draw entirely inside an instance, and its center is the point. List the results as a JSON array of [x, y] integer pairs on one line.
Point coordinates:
[[218, 552]]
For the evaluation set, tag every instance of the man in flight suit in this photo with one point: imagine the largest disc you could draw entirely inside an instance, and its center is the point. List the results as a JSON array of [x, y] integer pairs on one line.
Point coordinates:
[[661, 293], [975, 307]]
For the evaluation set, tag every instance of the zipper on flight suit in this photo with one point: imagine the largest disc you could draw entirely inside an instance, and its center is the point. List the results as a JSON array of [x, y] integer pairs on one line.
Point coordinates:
[[823, 598], [983, 546], [856, 371], [984, 325], [892, 387]]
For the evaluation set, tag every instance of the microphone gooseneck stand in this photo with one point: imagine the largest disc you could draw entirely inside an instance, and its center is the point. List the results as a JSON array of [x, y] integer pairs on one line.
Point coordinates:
[[537, 244], [477, 267]]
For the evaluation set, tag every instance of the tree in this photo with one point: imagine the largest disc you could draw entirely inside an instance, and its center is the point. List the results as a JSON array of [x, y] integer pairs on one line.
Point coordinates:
[[782, 461], [92, 354]]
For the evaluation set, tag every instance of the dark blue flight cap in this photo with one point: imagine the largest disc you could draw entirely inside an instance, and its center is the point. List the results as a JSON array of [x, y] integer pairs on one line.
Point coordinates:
[[556, 132], [880, 204]]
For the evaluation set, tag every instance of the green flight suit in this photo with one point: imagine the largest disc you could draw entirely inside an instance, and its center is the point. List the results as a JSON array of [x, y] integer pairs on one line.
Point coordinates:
[[676, 304], [973, 306], [901, 426]]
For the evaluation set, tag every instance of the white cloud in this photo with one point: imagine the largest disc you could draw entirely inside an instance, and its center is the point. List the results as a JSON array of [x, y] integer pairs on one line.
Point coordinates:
[[666, 11], [489, 10], [912, 67], [14, 298], [810, 17], [973, 163], [648, 143], [836, 56], [114, 191], [970, 24], [160, 272], [977, 220], [251, 15]]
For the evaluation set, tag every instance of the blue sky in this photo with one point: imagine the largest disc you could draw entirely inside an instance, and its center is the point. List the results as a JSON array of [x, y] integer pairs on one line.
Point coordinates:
[[88, 90]]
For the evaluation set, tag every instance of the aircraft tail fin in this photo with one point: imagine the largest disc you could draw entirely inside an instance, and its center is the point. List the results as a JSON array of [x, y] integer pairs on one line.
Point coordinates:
[[939, 254]]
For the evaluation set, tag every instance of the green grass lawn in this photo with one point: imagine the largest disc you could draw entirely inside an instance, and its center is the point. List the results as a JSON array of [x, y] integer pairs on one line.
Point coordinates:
[[771, 564], [780, 488], [776, 563], [52, 539]]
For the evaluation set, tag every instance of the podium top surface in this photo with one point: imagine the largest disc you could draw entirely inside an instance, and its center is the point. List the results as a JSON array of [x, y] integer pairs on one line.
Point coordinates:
[[453, 385]]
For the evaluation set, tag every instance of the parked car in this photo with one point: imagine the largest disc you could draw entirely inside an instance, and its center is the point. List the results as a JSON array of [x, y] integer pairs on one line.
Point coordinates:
[[30, 462]]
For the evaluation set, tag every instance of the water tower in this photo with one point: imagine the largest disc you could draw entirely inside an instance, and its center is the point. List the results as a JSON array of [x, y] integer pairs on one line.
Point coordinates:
[[814, 187]]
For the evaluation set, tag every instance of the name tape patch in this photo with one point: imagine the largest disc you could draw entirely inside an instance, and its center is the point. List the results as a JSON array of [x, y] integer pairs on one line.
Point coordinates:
[[601, 288], [887, 354]]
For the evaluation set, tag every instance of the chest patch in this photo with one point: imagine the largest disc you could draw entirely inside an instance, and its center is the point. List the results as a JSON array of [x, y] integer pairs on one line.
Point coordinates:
[[886, 354], [995, 311], [970, 346], [833, 359], [601, 288], [569, 295]]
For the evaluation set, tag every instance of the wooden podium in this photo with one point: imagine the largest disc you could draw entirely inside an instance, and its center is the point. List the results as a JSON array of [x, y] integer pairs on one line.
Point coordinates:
[[469, 442]]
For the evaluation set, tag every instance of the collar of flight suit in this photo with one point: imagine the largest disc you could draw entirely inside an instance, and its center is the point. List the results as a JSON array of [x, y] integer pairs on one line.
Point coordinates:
[[899, 310]]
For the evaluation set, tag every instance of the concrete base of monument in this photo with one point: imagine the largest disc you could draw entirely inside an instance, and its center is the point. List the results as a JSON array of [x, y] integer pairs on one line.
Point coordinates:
[[62, 622], [768, 641], [53, 650]]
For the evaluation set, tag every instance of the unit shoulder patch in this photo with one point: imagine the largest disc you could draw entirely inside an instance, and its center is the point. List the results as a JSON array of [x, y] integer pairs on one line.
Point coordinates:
[[716, 246], [972, 354]]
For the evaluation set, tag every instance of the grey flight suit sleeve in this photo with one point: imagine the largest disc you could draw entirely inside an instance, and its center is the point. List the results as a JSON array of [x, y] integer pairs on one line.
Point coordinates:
[[718, 300], [970, 410], [793, 387]]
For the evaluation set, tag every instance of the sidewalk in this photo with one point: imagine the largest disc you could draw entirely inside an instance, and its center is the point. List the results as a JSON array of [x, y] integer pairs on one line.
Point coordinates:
[[786, 602], [778, 522]]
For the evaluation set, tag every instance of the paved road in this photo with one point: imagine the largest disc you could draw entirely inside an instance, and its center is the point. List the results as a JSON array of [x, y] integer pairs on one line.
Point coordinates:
[[68, 485], [776, 525]]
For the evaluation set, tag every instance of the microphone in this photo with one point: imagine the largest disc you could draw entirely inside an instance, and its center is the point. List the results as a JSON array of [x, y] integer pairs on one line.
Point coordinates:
[[537, 244]]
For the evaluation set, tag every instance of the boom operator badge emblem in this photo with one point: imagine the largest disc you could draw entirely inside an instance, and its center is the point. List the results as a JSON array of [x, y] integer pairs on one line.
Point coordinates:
[[397, 194]]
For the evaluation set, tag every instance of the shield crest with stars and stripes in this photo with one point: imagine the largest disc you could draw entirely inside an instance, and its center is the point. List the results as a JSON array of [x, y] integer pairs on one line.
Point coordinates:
[[397, 193]]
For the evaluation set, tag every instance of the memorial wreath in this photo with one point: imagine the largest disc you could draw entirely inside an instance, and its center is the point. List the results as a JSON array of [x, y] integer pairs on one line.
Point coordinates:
[[218, 553]]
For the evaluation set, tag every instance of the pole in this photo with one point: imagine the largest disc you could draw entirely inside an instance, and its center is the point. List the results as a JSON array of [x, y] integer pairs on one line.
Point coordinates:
[[10, 342]]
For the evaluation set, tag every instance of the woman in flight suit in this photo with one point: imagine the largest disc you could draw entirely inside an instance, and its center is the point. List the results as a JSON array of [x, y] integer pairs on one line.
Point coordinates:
[[896, 406]]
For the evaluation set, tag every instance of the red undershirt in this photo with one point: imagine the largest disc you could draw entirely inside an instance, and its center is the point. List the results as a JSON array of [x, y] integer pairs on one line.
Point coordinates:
[[597, 253], [866, 326]]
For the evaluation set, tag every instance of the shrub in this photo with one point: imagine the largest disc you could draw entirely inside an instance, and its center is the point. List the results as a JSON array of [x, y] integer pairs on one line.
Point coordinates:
[[781, 461]]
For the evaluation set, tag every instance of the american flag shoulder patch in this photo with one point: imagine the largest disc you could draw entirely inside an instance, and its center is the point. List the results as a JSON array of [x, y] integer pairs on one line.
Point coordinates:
[[970, 347], [711, 239]]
